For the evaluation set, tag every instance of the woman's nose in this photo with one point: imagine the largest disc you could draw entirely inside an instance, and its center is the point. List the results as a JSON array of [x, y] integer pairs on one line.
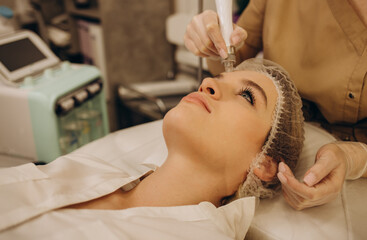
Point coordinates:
[[211, 87]]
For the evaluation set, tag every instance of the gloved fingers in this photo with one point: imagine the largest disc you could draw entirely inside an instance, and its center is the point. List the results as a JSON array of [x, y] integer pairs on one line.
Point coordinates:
[[293, 199], [327, 159], [300, 203], [212, 28], [287, 178], [192, 38], [301, 196], [204, 33], [190, 45], [317, 196], [293, 185], [199, 27], [238, 36], [290, 200]]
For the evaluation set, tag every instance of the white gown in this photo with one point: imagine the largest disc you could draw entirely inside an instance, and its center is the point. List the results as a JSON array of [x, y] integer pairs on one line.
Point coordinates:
[[31, 197]]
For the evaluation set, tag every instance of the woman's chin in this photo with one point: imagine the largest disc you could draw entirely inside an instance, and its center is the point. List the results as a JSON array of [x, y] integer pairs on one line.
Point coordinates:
[[173, 120], [179, 127]]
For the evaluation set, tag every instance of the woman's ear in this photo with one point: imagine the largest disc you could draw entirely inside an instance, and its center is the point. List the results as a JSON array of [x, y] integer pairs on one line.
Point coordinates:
[[267, 169]]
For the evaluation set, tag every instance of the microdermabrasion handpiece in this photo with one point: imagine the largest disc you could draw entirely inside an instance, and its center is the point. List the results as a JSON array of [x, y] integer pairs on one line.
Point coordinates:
[[224, 10]]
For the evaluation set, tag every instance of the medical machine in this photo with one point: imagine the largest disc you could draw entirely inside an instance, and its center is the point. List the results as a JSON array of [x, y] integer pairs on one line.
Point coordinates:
[[48, 108]]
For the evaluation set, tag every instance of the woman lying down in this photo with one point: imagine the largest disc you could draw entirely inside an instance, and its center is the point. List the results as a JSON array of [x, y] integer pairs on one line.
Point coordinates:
[[224, 143]]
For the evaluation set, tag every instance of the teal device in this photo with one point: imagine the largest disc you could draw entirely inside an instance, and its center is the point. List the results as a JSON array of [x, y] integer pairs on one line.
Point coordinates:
[[49, 111]]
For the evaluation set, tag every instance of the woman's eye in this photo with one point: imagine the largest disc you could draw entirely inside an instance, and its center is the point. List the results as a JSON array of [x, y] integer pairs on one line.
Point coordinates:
[[248, 95]]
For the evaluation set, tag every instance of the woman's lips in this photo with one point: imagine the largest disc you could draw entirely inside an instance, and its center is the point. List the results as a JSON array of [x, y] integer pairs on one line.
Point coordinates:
[[197, 98]]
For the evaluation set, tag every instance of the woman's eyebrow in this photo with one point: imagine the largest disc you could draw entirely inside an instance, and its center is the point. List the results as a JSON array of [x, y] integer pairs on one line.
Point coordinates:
[[253, 84]]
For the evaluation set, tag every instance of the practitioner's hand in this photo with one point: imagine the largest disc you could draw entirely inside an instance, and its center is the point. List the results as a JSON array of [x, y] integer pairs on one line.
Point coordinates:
[[204, 38], [322, 182]]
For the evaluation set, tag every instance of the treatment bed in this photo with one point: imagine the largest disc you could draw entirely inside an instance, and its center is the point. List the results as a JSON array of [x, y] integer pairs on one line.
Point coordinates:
[[343, 218], [34, 211]]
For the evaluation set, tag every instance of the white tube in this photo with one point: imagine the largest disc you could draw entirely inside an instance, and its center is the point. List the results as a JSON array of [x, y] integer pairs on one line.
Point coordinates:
[[224, 10]]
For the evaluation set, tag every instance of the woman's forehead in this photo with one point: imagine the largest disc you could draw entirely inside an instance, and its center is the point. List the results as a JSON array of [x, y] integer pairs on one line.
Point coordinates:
[[254, 75]]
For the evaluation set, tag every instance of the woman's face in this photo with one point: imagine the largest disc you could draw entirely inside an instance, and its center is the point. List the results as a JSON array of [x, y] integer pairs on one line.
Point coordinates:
[[224, 124]]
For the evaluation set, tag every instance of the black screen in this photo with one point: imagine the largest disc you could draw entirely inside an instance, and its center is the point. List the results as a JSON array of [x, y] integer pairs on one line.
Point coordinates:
[[19, 54]]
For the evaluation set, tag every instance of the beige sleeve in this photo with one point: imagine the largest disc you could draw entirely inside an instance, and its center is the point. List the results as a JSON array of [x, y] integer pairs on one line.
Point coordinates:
[[252, 20]]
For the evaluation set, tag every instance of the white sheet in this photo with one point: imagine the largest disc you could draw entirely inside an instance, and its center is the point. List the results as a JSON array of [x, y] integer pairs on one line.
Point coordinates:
[[343, 218], [31, 198], [184, 222]]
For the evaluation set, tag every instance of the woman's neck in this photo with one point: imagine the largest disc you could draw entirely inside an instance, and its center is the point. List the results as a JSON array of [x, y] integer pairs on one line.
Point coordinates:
[[177, 182], [180, 181]]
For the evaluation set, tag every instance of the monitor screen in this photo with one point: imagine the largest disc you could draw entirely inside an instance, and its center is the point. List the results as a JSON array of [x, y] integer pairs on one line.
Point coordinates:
[[20, 53]]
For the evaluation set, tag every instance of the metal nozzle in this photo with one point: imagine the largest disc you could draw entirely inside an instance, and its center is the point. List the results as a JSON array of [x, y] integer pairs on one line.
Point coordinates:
[[230, 61]]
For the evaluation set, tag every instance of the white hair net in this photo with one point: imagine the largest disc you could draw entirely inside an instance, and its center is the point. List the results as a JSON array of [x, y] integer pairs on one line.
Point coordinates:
[[285, 139]]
